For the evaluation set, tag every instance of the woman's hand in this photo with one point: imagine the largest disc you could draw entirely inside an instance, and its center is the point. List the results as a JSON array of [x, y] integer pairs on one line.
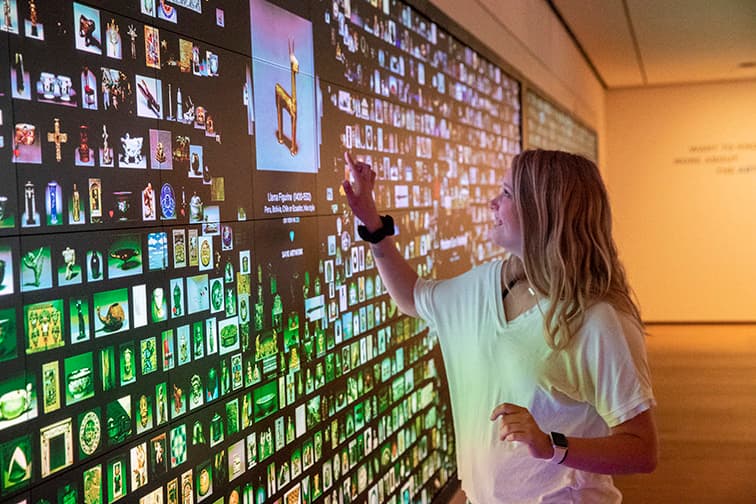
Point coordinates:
[[359, 193], [517, 424], [398, 275]]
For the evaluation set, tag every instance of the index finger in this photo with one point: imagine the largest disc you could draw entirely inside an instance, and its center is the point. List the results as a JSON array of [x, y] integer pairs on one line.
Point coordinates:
[[349, 160], [504, 409]]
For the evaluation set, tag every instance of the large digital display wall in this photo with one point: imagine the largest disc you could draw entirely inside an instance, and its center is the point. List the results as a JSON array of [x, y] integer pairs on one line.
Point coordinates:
[[549, 127], [186, 312]]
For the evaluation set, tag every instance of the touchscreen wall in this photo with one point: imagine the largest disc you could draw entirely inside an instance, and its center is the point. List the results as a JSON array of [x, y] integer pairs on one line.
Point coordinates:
[[548, 127], [186, 311]]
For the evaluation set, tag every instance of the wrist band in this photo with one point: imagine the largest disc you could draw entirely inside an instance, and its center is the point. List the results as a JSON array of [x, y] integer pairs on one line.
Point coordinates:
[[559, 443], [386, 229]]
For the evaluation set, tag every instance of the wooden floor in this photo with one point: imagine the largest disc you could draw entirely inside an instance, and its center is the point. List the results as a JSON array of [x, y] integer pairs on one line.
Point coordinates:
[[705, 383], [704, 378]]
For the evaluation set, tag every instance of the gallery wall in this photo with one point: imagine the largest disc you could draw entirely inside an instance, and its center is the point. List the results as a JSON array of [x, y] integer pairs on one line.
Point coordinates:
[[683, 184]]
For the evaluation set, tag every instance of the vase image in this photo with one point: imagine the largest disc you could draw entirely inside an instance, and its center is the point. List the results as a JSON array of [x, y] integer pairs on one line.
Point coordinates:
[[94, 265], [123, 205]]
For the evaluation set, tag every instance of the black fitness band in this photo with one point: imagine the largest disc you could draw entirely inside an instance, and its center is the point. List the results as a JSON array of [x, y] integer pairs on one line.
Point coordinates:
[[386, 229]]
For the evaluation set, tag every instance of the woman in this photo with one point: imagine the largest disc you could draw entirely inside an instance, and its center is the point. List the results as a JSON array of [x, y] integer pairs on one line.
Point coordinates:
[[544, 351]]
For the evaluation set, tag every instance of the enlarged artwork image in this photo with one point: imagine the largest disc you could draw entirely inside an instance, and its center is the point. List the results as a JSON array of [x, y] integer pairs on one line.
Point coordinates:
[[283, 76]]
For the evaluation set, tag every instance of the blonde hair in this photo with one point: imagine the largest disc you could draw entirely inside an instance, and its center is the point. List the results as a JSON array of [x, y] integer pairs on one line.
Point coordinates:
[[568, 253]]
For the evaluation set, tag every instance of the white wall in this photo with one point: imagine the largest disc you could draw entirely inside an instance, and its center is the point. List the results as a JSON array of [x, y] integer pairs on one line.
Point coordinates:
[[682, 177]]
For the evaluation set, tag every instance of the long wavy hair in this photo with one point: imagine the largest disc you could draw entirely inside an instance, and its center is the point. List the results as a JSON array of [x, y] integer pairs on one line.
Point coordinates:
[[568, 254]]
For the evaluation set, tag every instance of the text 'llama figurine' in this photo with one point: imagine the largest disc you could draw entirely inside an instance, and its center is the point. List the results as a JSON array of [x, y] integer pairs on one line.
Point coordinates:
[[288, 102]]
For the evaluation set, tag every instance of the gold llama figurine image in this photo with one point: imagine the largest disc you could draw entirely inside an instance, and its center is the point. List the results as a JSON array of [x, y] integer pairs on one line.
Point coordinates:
[[288, 102]]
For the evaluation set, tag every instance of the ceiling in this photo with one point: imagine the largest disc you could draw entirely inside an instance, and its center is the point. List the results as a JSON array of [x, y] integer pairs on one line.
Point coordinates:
[[636, 43]]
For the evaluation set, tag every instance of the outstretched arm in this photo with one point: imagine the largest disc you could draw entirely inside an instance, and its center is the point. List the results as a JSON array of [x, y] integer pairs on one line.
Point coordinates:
[[396, 273]]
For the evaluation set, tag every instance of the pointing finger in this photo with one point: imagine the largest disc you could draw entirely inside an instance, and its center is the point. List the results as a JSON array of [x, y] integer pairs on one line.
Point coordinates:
[[356, 165], [355, 168], [348, 190]]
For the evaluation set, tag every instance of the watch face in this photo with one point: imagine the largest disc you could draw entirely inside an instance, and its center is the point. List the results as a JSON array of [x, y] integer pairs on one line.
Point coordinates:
[[559, 439]]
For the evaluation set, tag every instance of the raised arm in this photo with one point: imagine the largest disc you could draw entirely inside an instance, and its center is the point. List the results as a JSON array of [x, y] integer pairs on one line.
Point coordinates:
[[396, 273]]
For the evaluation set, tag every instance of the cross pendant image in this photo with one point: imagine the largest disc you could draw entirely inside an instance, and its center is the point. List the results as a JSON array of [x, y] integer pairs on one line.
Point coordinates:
[[57, 138]]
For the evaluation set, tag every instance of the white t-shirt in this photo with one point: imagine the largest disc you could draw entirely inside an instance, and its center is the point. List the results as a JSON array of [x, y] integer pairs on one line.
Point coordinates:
[[599, 381]]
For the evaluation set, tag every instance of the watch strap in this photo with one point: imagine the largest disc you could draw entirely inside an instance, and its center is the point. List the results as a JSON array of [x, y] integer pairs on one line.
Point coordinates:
[[559, 443]]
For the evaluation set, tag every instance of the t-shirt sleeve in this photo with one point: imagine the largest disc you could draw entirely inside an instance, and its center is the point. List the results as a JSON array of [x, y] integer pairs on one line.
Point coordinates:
[[451, 303], [615, 358], [426, 309]]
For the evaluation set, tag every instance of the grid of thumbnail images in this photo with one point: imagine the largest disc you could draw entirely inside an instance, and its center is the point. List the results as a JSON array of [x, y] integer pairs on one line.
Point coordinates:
[[550, 128], [187, 314]]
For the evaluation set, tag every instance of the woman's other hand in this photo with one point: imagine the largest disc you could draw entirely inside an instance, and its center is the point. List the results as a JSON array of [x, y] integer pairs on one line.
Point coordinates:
[[517, 424]]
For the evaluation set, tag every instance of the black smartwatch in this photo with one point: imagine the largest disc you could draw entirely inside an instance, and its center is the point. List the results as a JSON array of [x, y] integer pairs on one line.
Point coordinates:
[[559, 443], [386, 229]]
